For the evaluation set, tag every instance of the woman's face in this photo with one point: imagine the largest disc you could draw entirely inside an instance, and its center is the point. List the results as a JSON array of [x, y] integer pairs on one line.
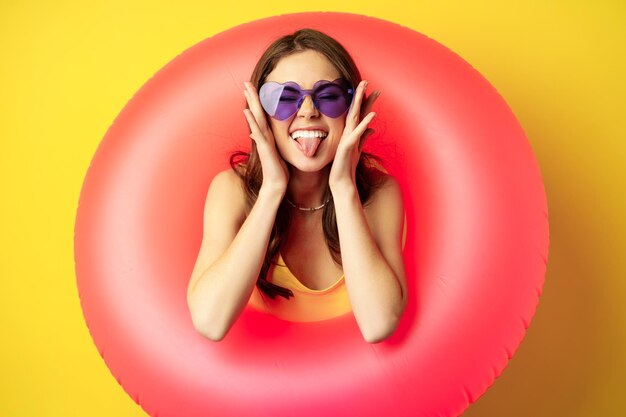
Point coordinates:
[[308, 154]]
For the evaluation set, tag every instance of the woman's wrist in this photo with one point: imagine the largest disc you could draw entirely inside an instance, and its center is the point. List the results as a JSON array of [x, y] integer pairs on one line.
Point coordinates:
[[341, 189], [272, 192]]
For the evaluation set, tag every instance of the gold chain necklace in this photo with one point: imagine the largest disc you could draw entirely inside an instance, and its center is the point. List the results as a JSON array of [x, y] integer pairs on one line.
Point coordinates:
[[307, 208]]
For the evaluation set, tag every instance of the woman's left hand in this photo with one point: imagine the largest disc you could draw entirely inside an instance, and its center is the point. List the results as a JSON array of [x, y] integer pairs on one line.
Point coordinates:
[[355, 133]]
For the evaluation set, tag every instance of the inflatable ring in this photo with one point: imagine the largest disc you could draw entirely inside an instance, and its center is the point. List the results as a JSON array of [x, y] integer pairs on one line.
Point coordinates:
[[475, 252]]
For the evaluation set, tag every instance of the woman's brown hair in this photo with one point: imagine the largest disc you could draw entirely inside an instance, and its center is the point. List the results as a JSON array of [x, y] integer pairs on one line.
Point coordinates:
[[248, 165]]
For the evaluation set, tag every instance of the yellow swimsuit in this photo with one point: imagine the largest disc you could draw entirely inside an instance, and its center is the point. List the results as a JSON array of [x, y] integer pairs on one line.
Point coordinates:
[[306, 305]]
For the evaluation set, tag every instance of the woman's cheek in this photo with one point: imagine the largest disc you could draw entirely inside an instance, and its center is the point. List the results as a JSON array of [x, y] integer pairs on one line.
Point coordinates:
[[282, 144]]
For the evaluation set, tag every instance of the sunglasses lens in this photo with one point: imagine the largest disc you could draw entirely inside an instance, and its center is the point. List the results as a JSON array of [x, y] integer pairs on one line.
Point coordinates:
[[289, 102], [282, 101], [269, 95], [332, 100]]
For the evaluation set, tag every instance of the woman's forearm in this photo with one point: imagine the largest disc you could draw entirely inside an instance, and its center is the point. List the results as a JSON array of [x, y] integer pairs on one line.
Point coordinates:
[[224, 288], [374, 290]]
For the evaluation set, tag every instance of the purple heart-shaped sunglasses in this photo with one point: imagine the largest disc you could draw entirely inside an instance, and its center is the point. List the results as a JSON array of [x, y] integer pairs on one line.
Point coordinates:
[[331, 98]]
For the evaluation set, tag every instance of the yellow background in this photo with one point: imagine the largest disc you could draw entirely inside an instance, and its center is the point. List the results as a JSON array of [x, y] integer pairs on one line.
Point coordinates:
[[68, 68]]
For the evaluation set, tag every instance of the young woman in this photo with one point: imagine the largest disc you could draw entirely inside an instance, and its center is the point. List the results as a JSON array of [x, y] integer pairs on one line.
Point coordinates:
[[305, 197]]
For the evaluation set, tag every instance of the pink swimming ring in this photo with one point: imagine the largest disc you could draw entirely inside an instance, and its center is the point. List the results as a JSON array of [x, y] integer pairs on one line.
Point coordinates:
[[475, 251]]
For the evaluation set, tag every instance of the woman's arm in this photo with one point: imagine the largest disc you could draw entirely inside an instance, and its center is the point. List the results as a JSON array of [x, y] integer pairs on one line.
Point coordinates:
[[234, 246], [232, 252], [371, 256], [371, 252]]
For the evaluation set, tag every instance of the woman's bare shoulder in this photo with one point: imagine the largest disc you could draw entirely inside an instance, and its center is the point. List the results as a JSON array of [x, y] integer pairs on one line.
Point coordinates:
[[227, 177], [386, 197], [386, 215], [389, 182], [227, 192], [384, 185]]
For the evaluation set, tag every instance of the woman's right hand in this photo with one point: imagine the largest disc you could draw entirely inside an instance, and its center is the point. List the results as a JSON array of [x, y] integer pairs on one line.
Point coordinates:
[[275, 171]]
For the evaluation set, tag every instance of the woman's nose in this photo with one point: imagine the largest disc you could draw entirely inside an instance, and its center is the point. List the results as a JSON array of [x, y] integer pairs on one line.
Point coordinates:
[[307, 108]]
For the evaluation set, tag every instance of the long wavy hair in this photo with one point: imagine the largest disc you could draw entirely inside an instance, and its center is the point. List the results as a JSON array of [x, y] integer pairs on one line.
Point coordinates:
[[248, 165]]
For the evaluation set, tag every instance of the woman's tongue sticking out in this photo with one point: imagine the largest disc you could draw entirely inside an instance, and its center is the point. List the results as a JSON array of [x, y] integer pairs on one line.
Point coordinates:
[[308, 146]]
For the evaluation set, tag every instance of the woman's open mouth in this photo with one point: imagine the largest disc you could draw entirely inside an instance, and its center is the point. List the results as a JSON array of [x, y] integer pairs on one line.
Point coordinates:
[[308, 141]]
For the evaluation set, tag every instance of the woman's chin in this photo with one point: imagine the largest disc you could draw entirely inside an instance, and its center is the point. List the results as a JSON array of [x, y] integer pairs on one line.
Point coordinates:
[[311, 163]]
